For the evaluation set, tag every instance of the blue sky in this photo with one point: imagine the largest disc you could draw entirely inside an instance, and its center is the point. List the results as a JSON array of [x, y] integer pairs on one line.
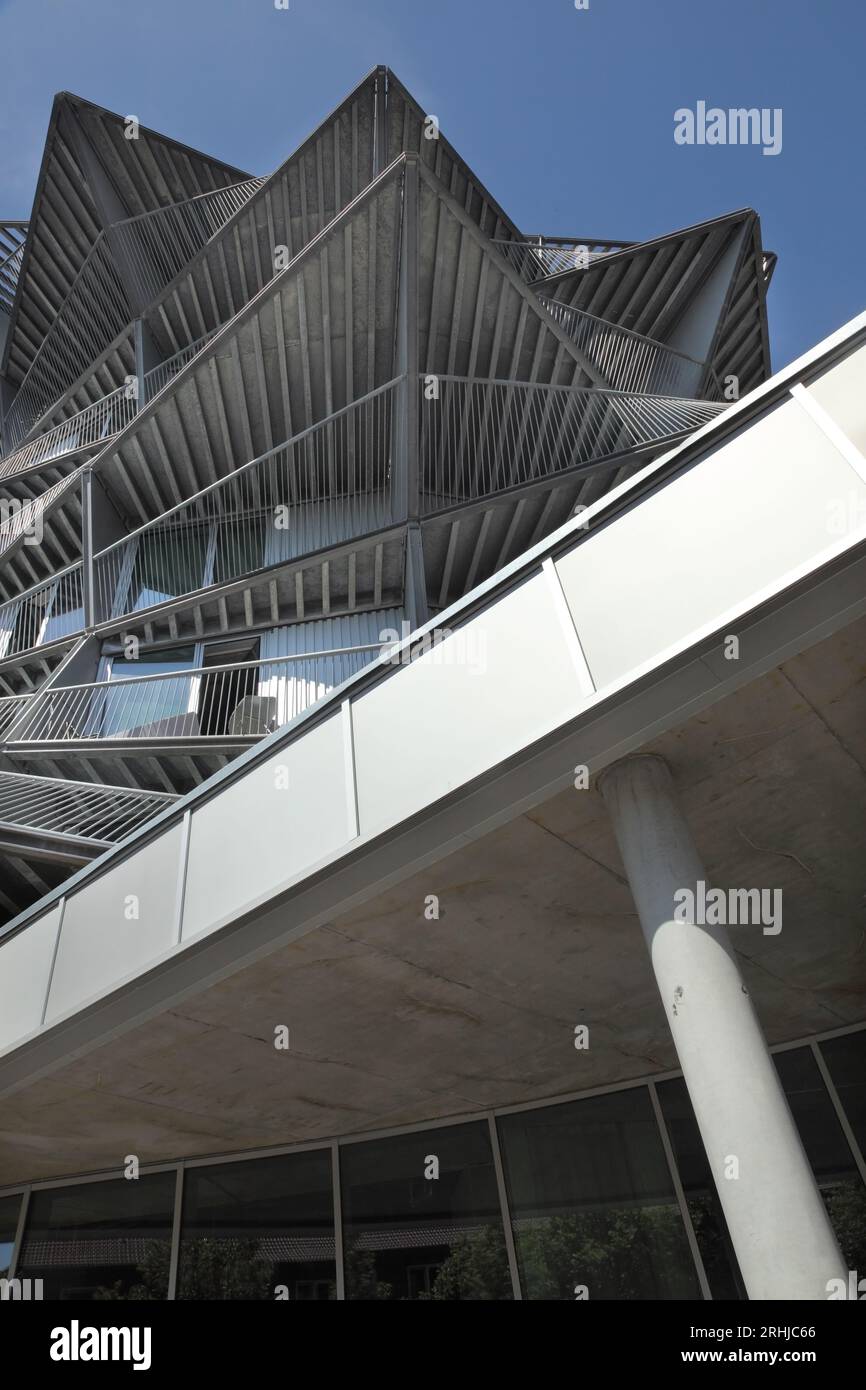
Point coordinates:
[[566, 115]]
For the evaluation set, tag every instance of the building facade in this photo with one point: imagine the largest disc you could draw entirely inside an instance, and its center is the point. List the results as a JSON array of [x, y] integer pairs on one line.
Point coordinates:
[[396, 607]]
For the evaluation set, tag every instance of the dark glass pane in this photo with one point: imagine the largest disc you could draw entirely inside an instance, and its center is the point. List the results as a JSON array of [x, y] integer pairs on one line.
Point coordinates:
[[9, 1208], [259, 1230], [846, 1061], [592, 1204], [702, 1200], [411, 1235], [168, 562], [240, 546], [827, 1150], [101, 1240]]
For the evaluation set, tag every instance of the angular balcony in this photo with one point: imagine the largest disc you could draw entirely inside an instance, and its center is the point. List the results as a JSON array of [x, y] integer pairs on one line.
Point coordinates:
[[43, 614], [233, 704], [481, 438], [328, 484], [630, 361], [72, 822], [128, 264]]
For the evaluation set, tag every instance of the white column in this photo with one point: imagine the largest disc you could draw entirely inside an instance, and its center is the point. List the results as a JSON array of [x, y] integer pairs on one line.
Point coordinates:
[[778, 1223]]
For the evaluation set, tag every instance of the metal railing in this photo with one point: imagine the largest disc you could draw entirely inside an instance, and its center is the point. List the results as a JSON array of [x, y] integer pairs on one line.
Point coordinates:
[[76, 810], [153, 248], [96, 424], [157, 245], [481, 437], [246, 700], [27, 518], [628, 361], [160, 376], [12, 238], [326, 484], [44, 613], [100, 422], [542, 256], [94, 312], [11, 706]]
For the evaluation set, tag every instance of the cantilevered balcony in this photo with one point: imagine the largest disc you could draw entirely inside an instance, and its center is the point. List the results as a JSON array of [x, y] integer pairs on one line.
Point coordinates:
[[96, 425], [326, 485], [480, 438], [630, 361], [71, 822], [233, 704], [128, 265]]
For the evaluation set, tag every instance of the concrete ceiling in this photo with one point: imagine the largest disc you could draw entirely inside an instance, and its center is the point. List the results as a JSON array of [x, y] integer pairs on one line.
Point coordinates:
[[395, 1018]]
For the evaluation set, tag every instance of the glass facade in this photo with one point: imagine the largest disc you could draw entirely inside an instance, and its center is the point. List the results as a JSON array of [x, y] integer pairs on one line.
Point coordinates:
[[589, 1185], [592, 1202], [101, 1240], [422, 1218], [263, 1229], [9, 1209]]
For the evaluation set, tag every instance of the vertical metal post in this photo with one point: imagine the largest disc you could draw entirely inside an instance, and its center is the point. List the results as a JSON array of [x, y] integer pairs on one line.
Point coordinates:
[[338, 1221], [679, 1193], [507, 1229], [87, 581], [19, 1234], [174, 1258]]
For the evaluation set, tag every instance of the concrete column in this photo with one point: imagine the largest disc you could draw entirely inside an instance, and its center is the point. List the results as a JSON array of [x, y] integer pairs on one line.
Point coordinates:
[[778, 1223]]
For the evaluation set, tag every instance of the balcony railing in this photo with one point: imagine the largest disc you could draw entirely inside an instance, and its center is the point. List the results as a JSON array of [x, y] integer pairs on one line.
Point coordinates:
[[543, 256], [26, 520], [242, 701], [157, 245], [86, 811], [326, 484], [94, 425], [98, 423], [154, 248], [12, 238], [160, 376], [628, 361], [482, 437], [45, 613]]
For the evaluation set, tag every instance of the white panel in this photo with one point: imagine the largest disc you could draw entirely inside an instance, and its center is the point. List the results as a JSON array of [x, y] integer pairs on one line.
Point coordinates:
[[842, 393], [501, 680], [738, 521], [267, 829], [25, 966], [99, 944]]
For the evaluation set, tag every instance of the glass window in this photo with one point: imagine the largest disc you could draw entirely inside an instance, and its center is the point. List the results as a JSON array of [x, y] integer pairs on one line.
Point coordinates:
[[9, 1208], [827, 1151], [101, 1240], [846, 1062], [263, 1229], [702, 1199], [168, 562], [592, 1204], [421, 1217], [152, 707]]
